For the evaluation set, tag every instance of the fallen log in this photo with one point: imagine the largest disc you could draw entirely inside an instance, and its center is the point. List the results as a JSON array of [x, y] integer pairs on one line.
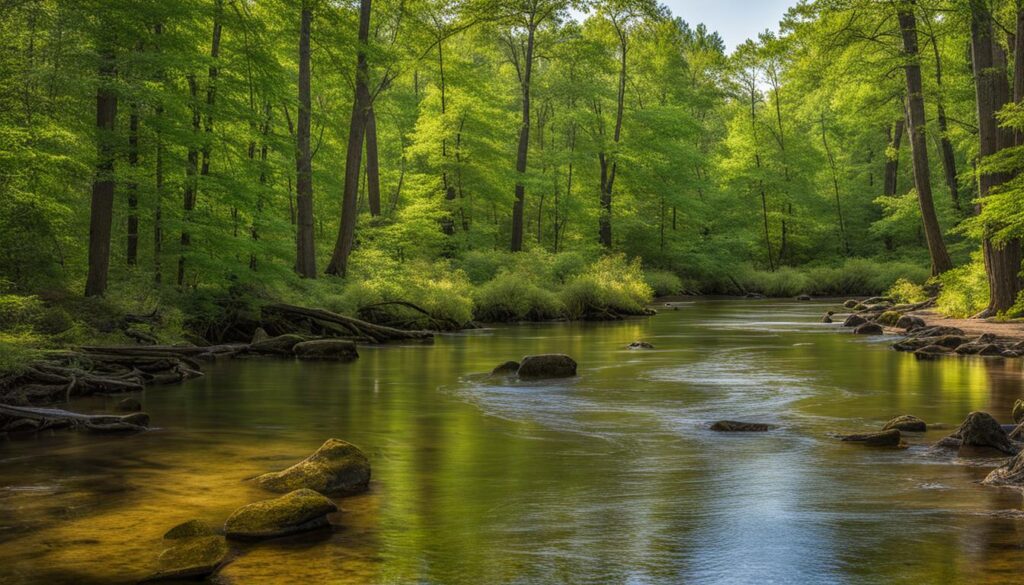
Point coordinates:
[[300, 319], [44, 418]]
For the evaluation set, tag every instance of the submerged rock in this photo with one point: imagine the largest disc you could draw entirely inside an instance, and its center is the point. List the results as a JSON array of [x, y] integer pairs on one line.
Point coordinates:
[[298, 511], [280, 345], [189, 529], [731, 426], [336, 468], [854, 321], [979, 434], [869, 329], [640, 345], [506, 369], [338, 350], [191, 558], [890, 438], [536, 367], [907, 423], [1009, 474]]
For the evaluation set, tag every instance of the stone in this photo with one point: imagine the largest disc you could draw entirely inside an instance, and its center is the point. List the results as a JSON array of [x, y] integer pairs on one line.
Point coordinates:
[[906, 423], [913, 344], [336, 350], [336, 468], [506, 369], [827, 318], [951, 341], [536, 367], [889, 318], [280, 345], [939, 331], [191, 558], [890, 438], [851, 304], [986, 338], [731, 426], [1009, 474], [909, 322], [299, 511], [804, 298], [189, 529], [931, 352], [854, 321], [640, 345], [129, 405], [869, 329], [980, 434], [754, 295]]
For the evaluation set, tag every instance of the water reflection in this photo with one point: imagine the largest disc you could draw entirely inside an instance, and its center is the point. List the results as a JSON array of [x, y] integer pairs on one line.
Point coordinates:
[[610, 478]]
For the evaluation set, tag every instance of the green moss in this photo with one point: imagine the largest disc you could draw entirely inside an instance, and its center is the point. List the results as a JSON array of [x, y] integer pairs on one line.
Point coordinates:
[[297, 511], [889, 318], [336, 468]]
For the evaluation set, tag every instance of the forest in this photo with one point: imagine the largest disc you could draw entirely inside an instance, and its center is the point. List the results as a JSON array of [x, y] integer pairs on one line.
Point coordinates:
[[443, 162]]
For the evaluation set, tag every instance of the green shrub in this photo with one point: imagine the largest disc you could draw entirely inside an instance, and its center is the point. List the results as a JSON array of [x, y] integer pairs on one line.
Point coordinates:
[[510, 297], [17, 350], [663, 283], [964, 290], [904, 291], [610, 285], [483, 265], [19, 312], [784, 282]]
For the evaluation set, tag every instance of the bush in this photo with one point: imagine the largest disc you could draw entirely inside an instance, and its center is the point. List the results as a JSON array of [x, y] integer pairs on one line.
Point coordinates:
[[511, 297], [19, 312], [905, 291], [964, 290], [784, 282], [663, 283], [610, 285], [483, 265]]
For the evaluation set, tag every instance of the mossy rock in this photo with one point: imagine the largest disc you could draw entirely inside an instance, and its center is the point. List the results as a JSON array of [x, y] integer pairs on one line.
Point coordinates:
[[189, 529], [889, 318], [851, 304], [538, 367], [192, 558], [299, 511], [907, 423], [336, 468], [506, 369], [854, 321], [280, 345], [980, 434], [337, 350], [869, 329], [909, 322]]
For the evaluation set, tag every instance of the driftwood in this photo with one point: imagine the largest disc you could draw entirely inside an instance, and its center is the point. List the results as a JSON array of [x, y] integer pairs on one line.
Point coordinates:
[[282, 319], [378, 313], [27, 419]]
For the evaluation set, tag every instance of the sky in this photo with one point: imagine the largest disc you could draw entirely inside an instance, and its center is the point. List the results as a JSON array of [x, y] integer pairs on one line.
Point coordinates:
[[735, 20]]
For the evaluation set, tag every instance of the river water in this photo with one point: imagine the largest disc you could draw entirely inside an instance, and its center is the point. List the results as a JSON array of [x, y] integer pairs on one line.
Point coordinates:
[[608, 478]]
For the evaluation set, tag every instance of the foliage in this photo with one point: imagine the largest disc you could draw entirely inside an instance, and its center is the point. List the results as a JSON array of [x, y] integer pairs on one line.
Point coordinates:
[[964, 290], [663, 283], [905, 291]]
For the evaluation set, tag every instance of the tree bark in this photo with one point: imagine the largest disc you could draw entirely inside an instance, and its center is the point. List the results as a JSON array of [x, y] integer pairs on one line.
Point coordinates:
[[102, 205], [372, 164], [892, 164], [918, 140], [1002, 260], [610, 168], [353, 159], [524, 144], [132, 187], [306, 249]]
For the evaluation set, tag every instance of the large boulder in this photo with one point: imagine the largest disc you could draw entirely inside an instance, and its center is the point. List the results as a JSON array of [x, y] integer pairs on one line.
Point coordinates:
[[909, 322], [869, 329], [537, 367], [731, 426], [337, 350], [907, 423], [189, 529], [979, 434], [336, 468], [191, 559], [854, 321], [889, 318], [280, 345], [298, 511], [890, 438], [506, 369]]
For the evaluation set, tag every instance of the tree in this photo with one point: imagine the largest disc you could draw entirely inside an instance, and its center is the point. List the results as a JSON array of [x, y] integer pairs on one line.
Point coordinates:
[[305, 244], [101, 216]]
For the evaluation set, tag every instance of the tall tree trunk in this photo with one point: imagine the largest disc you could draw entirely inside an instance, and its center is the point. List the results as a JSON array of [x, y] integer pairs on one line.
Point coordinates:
[[760, 182], [132, 187], [892, 162], [608, 174], [918, 141], [102, 205], [524, 144], [158, 228], [945, 146], [372, 164], [353, 159], [1003, 259], [447, 222], [835, 186], [306, 250]]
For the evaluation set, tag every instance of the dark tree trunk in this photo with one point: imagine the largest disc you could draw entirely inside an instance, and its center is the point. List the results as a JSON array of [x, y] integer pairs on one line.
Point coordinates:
[[1003, 259], [945, 146], [102, 205], [132, 187], [158, 229], [918, 141], [835, 186], [892, 165], [610, 168], [353, 158], [306, 251], [372, 164], [524, 145]]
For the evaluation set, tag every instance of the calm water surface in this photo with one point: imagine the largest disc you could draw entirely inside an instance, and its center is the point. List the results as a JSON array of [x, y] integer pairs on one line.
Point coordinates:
[[608, 478]]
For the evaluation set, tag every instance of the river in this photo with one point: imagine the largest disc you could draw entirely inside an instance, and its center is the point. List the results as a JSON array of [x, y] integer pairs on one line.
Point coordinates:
[[611, 477]]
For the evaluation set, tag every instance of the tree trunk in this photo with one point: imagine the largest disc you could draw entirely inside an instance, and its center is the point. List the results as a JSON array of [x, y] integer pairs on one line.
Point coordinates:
[[835, 186], [158, 233], [306, 250], [918, 141], [892, 164], [608, 174], [945, 146], [102, 205], [372, 164], [1002, 260], [353, 159], [524, 145], [132, 187]]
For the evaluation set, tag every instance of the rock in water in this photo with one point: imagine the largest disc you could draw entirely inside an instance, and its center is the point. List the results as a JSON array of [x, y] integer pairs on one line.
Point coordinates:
[[640, 345], [909, 322], [731, 426], [337, 350], [336, 468], [827, 318], [890, 318], [1018, 411], [854, 321], [1010, 474], [979, 434], [537, 367], [129, 405], [906, 423], [298, 511], [191, 558], [804, 298], [189, 529], [890, 438], [280, 345], [869, 329], [851, 304], [506, 369]]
